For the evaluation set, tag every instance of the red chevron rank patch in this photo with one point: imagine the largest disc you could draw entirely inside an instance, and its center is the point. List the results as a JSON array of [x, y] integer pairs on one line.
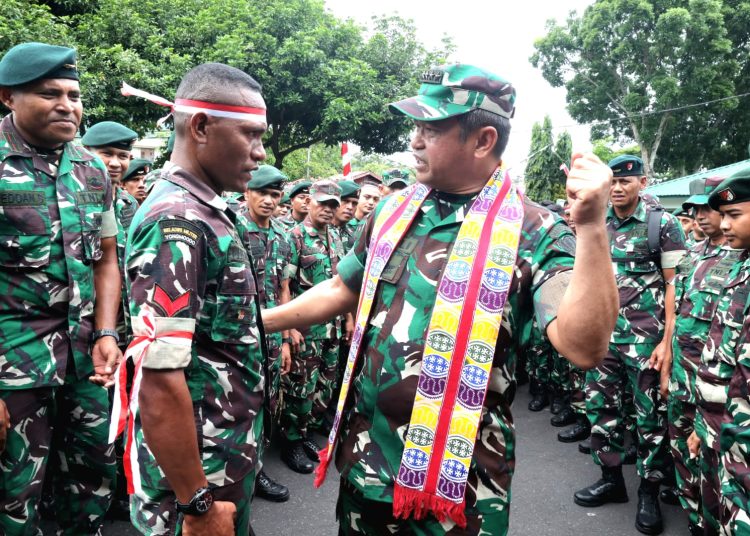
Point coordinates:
[[167, 304]]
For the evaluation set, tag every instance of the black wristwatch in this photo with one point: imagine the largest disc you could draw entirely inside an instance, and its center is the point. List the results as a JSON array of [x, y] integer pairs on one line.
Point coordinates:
[[106, 332], [201, 503]]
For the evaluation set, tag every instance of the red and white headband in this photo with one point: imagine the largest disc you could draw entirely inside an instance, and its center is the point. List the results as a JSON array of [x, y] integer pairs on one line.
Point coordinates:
[[196, 106]]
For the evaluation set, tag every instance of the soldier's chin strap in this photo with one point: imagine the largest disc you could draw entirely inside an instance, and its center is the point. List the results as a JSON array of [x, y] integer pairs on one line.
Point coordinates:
[[189, 106]]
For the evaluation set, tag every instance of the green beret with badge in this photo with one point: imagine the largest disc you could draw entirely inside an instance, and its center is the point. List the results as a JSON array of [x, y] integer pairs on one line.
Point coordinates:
[[29, 62], [349, 189], [267, 177], [109, 134], [457, 89], [700, 189], [137, 167], [735, 189], [626, 165], [325, 190], [302, 187]]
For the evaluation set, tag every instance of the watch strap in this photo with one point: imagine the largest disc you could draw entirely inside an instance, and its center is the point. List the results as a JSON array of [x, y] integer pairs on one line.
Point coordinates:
[[105, 332]]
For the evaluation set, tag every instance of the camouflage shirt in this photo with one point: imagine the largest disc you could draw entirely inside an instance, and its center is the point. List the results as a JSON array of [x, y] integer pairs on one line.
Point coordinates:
[[287, 222], [187, 265], [54, 210], [383, 389], [700, 276], [315, 257], [349, 233], [125, 208], [639, 280], [719, 355]]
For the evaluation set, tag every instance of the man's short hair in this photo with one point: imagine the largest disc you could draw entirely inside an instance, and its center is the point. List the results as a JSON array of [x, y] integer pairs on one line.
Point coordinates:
[[475, 119]]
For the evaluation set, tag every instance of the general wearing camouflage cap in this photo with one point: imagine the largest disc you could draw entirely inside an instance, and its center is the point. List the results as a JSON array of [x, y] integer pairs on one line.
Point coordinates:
[[267, 177], [700, 189], [109, 134], [137, 167], [302, 187], [348, 189], [456, 89], [325, 190], [29, 62], [626, 166], [736, 189]]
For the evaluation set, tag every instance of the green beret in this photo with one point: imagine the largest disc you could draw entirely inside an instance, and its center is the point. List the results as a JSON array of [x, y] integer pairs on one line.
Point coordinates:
[[700, 189], [349, 189], [302, 187], [736, 189], [267, 177], [136, 166], [109, 134], [285, 200], [28, 62], [681, 213], [626, 166], [456, 89]]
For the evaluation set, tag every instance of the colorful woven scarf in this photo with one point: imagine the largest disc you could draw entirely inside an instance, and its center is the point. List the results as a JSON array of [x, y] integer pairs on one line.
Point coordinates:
[[459, 346]]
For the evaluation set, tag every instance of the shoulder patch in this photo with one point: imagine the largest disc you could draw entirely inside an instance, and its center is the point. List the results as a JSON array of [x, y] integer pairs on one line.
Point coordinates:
[[180, 231]]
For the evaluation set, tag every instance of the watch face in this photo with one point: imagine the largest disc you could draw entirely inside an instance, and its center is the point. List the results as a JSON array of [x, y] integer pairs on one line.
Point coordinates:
[[204, 502]]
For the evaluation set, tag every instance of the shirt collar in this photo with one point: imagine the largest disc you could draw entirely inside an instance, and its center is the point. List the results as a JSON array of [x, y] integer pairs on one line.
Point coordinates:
[[639, 214], [17, 146], [199, 189]]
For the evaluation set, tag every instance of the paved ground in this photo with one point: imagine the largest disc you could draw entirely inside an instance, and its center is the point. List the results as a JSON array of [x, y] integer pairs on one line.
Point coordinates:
[[547, 474]]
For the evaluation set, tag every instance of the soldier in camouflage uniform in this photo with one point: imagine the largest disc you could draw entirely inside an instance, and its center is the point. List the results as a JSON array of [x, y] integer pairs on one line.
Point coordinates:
[[345, 213], [309, 386], [639, 344], [271, 251], [284, 207], [299, 199], [385, 381], [700, 276], [195, 310], [687, 221], [721, 383], [134, 179], [60, 287]]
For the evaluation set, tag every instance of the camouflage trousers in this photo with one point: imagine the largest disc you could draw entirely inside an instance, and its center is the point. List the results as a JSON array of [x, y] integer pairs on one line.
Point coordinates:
[[274, 374], [75, 419], [687, 470], [358, 516], [627, 365], [539, 365], [577, 390], [308, 388], [716, 512], [735, 509], [153, 512]]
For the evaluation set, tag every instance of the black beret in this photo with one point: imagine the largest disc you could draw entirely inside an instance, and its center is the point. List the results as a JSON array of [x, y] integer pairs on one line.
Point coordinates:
[[28, 62], [736, 189]]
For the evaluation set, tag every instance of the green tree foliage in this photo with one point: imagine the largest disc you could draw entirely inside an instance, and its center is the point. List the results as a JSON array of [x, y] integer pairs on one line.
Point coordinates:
[[316, 161], [325, 79], [604, 150], [544, 179], [628, 58]]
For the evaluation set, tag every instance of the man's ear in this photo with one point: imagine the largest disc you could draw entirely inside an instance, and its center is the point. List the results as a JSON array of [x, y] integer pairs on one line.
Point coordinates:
[[486, 138], [6, 97], [199, 127]]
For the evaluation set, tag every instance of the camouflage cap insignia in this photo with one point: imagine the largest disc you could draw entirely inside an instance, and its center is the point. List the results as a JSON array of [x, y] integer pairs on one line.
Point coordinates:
[[432, 76]]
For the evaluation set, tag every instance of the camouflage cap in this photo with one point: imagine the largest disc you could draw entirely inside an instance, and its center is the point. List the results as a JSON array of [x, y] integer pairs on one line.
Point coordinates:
[[396, 176], [29, 62], [456, 89], [735, 189], [137, 167], [301, 187], [348, 189], [109, 134], [700, 190], [626, 165], [325, 190], [266, 176]]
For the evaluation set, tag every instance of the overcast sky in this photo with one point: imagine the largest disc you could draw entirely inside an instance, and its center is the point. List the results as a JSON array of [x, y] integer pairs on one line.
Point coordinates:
[[496, 35]]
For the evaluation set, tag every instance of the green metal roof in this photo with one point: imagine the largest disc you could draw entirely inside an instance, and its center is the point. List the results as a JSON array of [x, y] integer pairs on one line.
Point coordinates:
[[680, 187]]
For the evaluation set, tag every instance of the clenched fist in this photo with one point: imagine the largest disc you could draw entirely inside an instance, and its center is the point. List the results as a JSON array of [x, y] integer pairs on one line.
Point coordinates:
[[587, 188]]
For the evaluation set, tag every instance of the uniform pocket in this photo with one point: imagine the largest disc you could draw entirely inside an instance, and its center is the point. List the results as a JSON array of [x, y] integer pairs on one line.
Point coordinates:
[[25, 236], [90, 213], [235, 320]]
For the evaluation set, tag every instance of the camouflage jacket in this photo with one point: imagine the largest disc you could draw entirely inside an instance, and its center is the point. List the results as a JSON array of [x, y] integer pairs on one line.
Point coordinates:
[[639, 280], [271, 252], [187, 265], [383, 389], [125, 208], [52, 211], [287, 222], [349, 233], [719, 355], [700, 276], [315, 257], [735, 432]]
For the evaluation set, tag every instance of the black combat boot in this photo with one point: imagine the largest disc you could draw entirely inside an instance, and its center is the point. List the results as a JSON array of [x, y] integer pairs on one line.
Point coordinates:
[[670, 496], [539, 398], [564, 418], [609, 489], [648, 515], [269, 489], [578, 432], [695, 530], [631, 455], [559, 402], [293, 454], [311, 448]]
